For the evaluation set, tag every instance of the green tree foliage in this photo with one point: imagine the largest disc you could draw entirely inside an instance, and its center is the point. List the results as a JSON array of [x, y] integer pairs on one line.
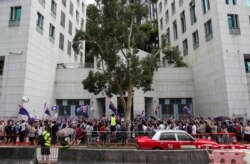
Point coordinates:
[[113, 37]]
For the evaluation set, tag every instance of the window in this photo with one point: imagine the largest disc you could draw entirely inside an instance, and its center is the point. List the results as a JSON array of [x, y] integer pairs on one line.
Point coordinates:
[[61, 41], [233, 24], [161, 23], [192, 11], [77, 16], [69, 48], [175, 30], [62, 19], [173, 7], [168, 136], [206, 6], [42, 2], [15, 16], [81, 57], [231, 2], [51, 31], [247, 65], [183, 21], [53, 7], [248, 2], [83, 8], [195, 39], [168, 37], [160, 7], [165, 2], [1, 66], [184, 137], [64, 3], [180, 2], [70, 27], [39, 22], [208, 30], [166, 16], [71, 8], [185, 47], [82, 24]]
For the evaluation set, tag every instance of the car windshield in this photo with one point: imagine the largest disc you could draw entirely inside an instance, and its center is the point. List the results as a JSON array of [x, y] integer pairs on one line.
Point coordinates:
[[151, 134]]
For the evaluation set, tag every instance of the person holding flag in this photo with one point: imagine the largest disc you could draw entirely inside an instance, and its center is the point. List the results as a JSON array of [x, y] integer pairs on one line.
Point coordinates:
[[157, 109], [46, 109]]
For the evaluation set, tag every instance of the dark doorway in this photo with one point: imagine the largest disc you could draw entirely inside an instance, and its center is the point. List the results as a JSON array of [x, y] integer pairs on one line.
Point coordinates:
[[121, 109]]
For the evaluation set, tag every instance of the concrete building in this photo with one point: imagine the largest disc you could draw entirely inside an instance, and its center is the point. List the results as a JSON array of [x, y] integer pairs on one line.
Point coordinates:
[[38, 63], [36, 35], [213, 36]]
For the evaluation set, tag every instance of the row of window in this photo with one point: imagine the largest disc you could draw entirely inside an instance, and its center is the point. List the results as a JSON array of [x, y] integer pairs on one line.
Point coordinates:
[[205, 4], [205, 7], [195, 36]]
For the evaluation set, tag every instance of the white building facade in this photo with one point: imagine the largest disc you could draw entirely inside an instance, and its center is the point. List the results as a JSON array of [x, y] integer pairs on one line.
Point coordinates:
[[36, 35], [213, 36]]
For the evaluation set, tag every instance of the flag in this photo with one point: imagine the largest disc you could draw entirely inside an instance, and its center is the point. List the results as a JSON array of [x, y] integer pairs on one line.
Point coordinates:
[[157, 109], [46, 109], [85, 111], [55, 107], [141, 116], [187, 110], [23, 111], [113, 108]]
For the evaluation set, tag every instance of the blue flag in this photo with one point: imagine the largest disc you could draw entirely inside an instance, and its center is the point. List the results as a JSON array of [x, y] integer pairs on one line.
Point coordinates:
[[187, 110], [23, 111], [83, 110], [113, 108], [47, 112]]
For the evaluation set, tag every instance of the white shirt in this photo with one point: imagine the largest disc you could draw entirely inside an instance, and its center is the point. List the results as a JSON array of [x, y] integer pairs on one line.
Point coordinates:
[[194, 129]]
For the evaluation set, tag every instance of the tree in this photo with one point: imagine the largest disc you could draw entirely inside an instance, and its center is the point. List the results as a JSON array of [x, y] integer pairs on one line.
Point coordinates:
[[113, 36]]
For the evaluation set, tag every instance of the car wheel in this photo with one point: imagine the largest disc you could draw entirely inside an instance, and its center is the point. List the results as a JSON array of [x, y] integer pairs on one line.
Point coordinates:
[[157, 148]]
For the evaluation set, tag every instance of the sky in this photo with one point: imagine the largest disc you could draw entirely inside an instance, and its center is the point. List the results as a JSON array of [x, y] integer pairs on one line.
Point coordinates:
[[90, 1]]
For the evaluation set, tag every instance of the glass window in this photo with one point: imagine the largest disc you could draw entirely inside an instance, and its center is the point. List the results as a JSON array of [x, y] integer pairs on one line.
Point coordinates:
[[161, 23], [168, 136], [183, 21], [53, 6], [192, 12], [168, 36], [52, 31], [166, 16], [15, 13], [248, 2], [64, 3], [69, 48], [185, 47], [160, 7], [175, 30], [62, 19], [206, 6], [233, 21], [183, 137], [70, 28], [71, 8], [77, 16], [61, 41], [231, 2], [195, 39], [83, 8], [173, 7], [1, 67], [82, 24], [39, 21], [208, 30]]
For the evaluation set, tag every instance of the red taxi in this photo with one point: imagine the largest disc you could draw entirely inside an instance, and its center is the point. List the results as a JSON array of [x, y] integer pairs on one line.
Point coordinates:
[[171, 139]]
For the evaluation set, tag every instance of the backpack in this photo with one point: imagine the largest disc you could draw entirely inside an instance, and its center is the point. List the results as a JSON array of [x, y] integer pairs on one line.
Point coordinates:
[[41, 140]]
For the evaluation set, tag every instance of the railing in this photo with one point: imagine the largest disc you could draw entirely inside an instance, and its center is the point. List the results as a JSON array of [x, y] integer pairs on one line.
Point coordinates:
[[74, 65], [106, 138]]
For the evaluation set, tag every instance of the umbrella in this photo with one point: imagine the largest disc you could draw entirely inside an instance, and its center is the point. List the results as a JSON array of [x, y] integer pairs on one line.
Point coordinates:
[[65, 132], [221, 118]]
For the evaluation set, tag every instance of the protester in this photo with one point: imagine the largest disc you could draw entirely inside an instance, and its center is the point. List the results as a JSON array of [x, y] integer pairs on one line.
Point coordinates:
[[45, 148]]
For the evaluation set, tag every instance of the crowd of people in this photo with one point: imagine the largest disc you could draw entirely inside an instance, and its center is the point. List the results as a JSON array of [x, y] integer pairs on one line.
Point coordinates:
[[112, 130]]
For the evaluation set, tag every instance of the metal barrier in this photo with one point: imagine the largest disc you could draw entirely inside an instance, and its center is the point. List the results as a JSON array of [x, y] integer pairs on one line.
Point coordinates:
[[44, 154], [225, 138]]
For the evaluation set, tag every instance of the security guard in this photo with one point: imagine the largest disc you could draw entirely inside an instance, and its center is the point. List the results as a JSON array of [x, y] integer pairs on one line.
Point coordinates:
[[45, 149]]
